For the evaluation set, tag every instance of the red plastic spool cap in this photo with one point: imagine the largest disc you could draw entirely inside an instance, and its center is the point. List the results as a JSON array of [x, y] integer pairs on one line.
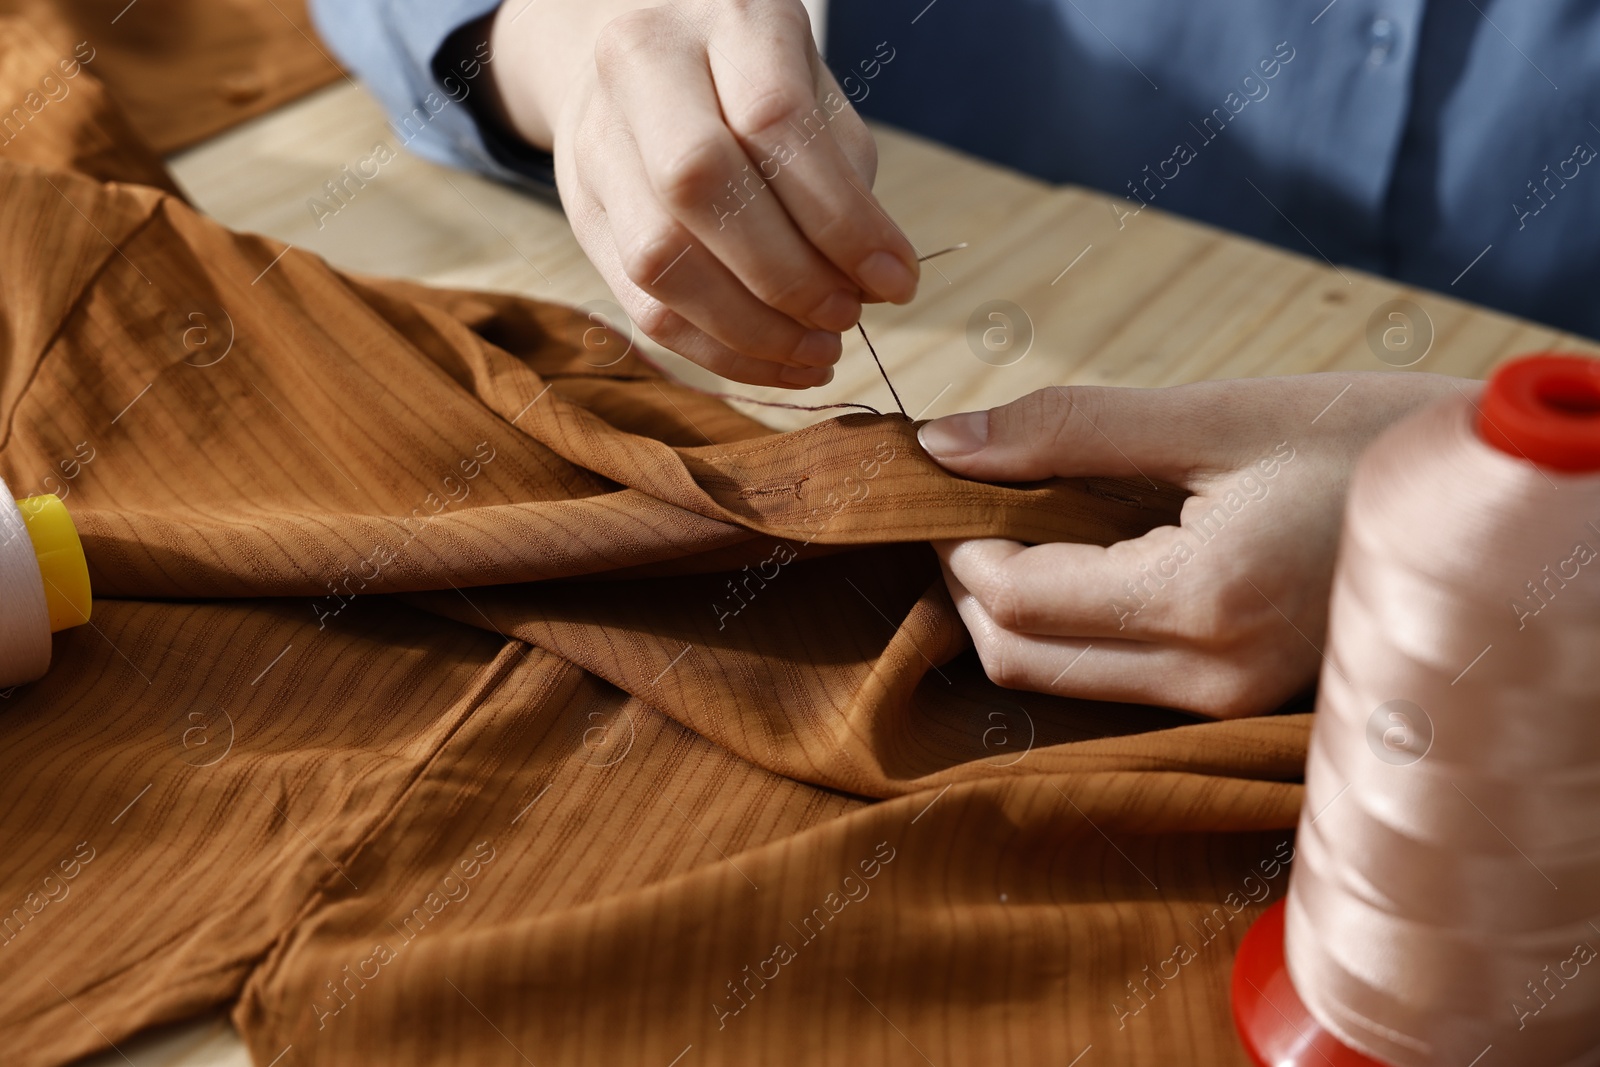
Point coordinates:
[[1273, 1023], [1545, 409]]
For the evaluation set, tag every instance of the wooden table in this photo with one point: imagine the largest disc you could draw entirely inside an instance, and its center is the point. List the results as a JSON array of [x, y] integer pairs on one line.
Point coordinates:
[[1146, 300], [1152, 300]]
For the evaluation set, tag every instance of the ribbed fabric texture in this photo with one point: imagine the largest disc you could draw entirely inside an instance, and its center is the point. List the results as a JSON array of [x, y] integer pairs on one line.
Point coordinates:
[[450, 700]]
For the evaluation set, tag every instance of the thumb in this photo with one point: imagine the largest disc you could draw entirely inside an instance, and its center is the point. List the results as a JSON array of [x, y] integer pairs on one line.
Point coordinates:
[[1075, 431]]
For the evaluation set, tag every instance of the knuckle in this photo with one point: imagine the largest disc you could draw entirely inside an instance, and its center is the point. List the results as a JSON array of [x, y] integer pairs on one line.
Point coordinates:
[[775, 344], [646, 258], [657, 321], [777, 107], [793, 293], [1000, 667], [859, 147], [791, 14], [1011, 672], [1228, 692], [1043, 421], [1220, 612], [586, 217], [1065, 413], [694, 177], [779, 20], [844, 231], [1004, 600], [1226, 611], [1199, 619], [624, 38]]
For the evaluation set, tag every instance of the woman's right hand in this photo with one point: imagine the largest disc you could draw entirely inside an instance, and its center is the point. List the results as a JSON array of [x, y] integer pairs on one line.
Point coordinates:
[[713, 171]]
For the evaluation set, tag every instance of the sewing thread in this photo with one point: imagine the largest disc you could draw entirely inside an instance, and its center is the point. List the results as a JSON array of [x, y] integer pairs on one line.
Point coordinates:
[[1446, 894]]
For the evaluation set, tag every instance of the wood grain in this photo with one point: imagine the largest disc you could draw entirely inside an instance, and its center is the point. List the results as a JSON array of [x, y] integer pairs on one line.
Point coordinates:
[[1153, 300]]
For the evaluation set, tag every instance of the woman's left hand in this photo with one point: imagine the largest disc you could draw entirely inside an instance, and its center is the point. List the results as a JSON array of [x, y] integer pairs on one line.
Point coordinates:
[[1224, 615]]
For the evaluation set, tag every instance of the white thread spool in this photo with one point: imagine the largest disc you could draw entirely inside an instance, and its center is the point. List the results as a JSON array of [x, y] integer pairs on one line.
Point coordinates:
[[24, 614]]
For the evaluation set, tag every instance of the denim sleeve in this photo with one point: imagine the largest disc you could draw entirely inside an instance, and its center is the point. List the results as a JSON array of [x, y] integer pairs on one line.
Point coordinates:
[[412, 57]]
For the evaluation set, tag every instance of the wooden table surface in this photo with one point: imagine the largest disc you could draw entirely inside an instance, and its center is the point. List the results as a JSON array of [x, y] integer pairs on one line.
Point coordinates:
[[1138, 300], [1147, 300]]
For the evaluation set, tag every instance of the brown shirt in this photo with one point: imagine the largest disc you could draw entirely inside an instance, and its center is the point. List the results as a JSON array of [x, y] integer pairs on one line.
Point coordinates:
[[451, 700]]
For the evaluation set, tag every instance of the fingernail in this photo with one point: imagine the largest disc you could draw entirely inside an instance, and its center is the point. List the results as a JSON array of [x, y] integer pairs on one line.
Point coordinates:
[[839, 312], [888, 277], [955, 435], [819, 348], [805, 377]]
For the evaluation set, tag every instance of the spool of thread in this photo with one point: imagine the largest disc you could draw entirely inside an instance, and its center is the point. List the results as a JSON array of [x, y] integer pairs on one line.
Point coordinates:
[[44, 583], [1444, 906]]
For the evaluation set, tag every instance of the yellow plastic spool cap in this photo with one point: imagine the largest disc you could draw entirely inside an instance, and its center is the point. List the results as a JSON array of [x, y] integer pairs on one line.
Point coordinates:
[[61, 561]]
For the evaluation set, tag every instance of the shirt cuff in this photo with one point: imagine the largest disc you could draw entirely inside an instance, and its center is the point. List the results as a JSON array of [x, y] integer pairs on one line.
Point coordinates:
[[501, 152], [418, 58]]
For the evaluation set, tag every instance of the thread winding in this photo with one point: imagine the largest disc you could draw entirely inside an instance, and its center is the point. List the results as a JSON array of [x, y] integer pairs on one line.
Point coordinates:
[[1446, 894], [24, 614]]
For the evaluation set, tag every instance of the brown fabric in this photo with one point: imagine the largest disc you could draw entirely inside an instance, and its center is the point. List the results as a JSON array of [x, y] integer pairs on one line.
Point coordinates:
[[48, 115], [181, 69], [450, 701]]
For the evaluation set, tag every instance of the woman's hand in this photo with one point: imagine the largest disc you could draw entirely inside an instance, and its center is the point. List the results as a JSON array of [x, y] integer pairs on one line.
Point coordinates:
[[713, 171], [1224, 615]]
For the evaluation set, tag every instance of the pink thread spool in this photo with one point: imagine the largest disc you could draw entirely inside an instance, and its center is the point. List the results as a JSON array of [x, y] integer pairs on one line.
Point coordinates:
[[1445, 902]]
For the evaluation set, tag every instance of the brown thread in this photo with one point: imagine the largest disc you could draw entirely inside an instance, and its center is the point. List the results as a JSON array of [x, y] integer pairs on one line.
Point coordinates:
[[774, 490], [1106, 492], [791, 407], [674, 380], [881, 371], [862, 327]]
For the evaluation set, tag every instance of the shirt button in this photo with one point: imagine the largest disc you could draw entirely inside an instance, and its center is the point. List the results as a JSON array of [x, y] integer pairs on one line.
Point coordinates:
[[243, 88], [1382, 36]]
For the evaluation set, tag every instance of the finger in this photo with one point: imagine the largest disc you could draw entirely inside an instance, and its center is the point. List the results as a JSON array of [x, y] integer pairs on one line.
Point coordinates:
[[762, 64], [663, 325], [1113, 669], [855, 140], [1172, 434], [700, 173], [1132, 590], [671, 330], [659, 256]]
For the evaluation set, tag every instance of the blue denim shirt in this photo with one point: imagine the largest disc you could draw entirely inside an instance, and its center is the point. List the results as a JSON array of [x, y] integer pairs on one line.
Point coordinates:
[[1451, 144]]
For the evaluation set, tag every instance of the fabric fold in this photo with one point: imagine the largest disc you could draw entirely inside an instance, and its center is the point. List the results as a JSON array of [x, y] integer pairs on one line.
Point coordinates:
[[450, 699]]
